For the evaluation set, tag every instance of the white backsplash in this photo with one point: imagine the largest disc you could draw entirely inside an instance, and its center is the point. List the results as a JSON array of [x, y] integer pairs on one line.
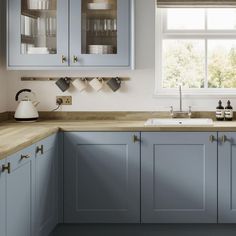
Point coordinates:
[[135, 95]]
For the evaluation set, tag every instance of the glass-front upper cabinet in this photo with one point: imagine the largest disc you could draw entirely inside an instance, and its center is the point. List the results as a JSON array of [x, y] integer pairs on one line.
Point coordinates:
[[37, 33], [49, 34], [100, 33]]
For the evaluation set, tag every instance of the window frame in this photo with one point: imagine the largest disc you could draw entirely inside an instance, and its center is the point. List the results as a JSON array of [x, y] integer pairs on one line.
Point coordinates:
[[161, 33]]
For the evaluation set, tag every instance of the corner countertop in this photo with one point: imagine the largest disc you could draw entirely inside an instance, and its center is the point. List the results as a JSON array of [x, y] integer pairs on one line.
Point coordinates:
[[17, 136]]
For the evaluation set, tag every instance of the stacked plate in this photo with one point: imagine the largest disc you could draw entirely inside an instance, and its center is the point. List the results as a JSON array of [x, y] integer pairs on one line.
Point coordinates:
[[100, 49], [100, 5]]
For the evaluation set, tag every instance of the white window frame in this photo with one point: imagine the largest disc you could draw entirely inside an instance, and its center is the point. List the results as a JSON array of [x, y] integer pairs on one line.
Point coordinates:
[[162, 33]]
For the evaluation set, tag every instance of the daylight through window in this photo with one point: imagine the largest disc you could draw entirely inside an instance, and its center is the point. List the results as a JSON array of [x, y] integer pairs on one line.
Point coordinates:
[[196, 48]]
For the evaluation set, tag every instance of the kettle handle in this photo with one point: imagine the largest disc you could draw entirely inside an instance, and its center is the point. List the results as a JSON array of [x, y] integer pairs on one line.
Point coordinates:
[[22, 91]]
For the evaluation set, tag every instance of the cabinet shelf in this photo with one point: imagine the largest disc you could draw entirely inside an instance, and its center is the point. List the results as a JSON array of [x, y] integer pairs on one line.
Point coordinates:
[[36, 13]]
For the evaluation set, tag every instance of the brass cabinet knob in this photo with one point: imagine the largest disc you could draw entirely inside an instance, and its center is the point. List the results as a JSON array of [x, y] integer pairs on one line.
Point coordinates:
[[213, 139], [24, 157], [75, 59], [63, 59], [225, 139], [39, 149], [135, 139], [6, 168]]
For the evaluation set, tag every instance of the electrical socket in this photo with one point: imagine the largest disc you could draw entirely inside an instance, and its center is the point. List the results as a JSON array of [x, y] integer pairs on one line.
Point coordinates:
[[66, 100]]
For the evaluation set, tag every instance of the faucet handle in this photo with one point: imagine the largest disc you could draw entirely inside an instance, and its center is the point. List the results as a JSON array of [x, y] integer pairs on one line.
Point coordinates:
[[189, 111], [172, 111]]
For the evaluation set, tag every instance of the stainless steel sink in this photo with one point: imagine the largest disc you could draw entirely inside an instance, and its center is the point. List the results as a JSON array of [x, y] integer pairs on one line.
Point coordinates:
[[179, 122]]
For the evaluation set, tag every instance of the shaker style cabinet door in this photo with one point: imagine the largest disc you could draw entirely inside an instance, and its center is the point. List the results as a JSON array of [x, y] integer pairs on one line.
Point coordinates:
[[2, 200], [46, 184], [227, 178], [102, 177], [38, 33], [179, 178], [100, 33], [20, 193]]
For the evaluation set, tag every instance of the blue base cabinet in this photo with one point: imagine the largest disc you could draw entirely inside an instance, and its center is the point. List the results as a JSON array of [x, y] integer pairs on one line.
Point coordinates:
[[46, 162], [20, 193], [2, 200], [227, 178], [101, 177], [179, 178]]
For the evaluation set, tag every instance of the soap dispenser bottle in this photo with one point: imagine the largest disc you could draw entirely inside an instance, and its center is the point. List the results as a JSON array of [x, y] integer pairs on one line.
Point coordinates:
[[229, 112], [220, 115]]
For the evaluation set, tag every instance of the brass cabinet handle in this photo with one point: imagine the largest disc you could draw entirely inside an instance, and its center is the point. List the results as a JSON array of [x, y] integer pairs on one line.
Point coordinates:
[[24, 157], [39, 149], [63, 59], [225, 139], [6, 168], [135, 139], [213, 139], [75, 59]]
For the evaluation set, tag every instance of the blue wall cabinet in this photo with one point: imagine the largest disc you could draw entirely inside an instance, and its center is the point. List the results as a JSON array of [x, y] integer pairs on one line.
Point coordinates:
[[101, 177], [46, 162], [75, 33], [110, 28], [20, 193], [2, 200], [179, 178], [227, 178], [37, 35]]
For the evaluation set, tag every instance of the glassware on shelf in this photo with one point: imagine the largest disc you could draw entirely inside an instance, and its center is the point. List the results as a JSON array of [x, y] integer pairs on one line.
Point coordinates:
[[38, 27]]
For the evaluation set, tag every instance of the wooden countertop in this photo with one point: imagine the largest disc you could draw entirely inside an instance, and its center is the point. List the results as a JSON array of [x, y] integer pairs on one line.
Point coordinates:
[[17, 136]]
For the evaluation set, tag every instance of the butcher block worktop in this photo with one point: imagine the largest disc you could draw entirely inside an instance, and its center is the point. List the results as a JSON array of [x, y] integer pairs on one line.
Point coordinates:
[[16, 136]]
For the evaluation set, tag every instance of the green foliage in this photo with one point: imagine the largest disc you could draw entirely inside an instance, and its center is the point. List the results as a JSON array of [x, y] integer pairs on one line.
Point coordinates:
[[184, 63], [222, 68]]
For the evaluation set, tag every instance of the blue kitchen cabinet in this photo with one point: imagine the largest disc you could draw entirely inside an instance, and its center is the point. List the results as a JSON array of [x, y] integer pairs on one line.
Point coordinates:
[[2, 200], [179, 177], [46, 185], [20, 193], [63, 34], [101, 177], [101, 37], [227, 178], [37, 34]]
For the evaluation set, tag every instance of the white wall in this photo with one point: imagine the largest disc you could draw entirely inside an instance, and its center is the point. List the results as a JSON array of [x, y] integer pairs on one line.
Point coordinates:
[[136, 95], [3, 80]]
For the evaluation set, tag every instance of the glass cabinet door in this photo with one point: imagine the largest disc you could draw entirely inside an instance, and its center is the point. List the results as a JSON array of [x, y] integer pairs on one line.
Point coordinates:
[[100, 33], [37, 33]]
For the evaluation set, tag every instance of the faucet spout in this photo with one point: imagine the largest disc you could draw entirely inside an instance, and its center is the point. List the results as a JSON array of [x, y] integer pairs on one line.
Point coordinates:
[[180, 99]]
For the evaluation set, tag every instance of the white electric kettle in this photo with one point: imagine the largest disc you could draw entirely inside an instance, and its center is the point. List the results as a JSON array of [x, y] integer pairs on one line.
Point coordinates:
[[26, 110]]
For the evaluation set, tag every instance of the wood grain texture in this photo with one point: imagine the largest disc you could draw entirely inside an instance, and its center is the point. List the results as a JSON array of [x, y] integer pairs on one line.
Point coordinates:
[[16, 136], [120, 116]]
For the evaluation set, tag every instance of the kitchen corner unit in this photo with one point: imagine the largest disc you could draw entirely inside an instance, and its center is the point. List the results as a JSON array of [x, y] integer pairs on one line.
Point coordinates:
[[59, 34]]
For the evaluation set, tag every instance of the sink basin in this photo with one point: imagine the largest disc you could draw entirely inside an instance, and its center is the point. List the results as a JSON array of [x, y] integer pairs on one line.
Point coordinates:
[[179, 122]]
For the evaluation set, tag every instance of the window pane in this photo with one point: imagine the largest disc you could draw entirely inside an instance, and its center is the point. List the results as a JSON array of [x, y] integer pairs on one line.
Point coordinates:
[[183, 62], [222, 19], [222, 63], [185, 19]]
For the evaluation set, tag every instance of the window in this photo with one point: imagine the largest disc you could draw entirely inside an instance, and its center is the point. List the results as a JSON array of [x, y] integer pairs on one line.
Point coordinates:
[[197, 49]]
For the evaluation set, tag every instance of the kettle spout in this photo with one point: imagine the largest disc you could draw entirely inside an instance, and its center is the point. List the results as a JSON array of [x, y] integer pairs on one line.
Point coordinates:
[[35, 103]]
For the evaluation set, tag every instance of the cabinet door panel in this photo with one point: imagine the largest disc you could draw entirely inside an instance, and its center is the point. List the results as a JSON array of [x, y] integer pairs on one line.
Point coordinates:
[[20, 194], [227, 179], [90, 29], [101, 178], [47, 186], [37, 37], [179, 178]]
